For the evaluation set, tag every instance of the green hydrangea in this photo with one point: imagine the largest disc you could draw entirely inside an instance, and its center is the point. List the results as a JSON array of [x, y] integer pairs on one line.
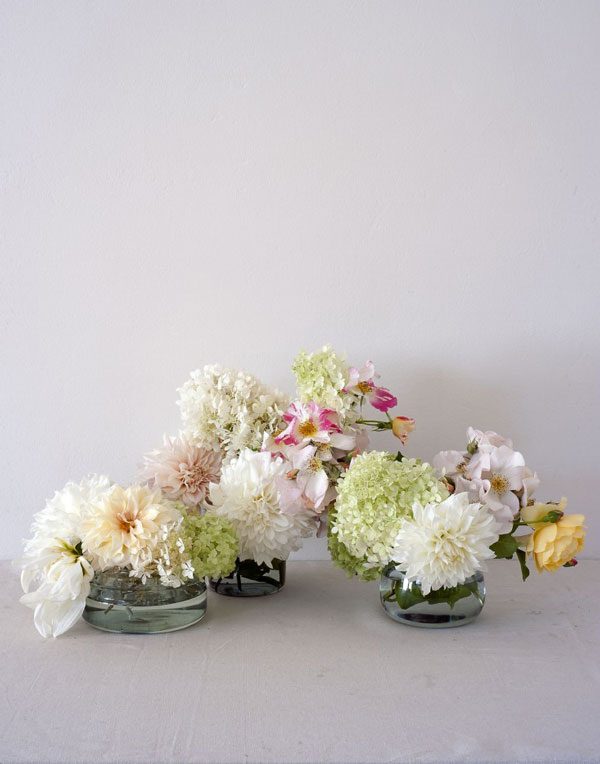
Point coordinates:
[[373, 496], [321, 377], [354, 566], [211, 543]]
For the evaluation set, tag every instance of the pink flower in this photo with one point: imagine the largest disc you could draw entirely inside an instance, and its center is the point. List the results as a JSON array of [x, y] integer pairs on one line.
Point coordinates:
[[306, 484], [308, 422], [182, 470], [362, 382]]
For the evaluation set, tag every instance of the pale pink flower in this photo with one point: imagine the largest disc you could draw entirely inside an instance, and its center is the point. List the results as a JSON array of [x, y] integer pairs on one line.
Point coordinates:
[[308, 422], [362, 382], [182, 470]]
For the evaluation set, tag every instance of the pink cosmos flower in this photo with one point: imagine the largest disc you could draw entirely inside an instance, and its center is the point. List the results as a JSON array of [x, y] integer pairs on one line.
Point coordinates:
[[182, 470], [362, 382], [308, 422]]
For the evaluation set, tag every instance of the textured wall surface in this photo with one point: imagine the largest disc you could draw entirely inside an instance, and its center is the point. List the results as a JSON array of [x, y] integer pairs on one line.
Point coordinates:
[[184, 182]]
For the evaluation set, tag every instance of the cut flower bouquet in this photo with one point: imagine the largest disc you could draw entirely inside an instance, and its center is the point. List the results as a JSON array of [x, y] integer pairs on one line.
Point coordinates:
[[427, 530]]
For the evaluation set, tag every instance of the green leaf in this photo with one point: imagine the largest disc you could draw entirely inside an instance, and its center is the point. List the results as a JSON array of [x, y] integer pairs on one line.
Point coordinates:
[[409, 596], [505, 547], [412, 595], [522, 557]]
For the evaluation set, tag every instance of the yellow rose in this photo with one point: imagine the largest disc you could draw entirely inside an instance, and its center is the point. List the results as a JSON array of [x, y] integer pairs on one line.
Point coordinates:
[[533, 513], [554, 544]]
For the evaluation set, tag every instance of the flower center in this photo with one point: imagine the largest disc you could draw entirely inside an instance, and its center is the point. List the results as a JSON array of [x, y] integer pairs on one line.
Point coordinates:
[[307, 429], [315, 464], [364, 387], [461, 467], [499, 484], [125, 522]]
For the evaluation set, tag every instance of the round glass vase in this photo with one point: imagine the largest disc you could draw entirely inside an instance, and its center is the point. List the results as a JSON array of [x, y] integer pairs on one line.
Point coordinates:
[[251, 579], [123, 604], [405, 602]]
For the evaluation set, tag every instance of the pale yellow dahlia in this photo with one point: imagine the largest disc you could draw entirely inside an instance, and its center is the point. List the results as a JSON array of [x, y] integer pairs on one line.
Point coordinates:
[[125, 526]]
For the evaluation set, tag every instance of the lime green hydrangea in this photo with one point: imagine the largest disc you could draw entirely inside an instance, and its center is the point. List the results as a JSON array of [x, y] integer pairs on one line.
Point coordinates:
[[321, 377], [354, 566], [373, 496], [211, 543]]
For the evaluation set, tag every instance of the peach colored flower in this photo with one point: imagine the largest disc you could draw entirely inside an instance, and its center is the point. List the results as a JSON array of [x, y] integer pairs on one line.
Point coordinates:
[[402, 426], [182, 470]]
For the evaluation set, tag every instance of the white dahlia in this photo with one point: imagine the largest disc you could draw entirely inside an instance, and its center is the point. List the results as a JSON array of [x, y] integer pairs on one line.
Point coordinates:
[[54, 574], [228, 410], [248, 496], [58, 525], [125, 526], [444, 544]]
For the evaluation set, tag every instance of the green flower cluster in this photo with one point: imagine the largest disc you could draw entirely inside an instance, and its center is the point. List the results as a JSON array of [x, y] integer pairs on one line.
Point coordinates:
[[321, 377], [354, 566], [374, 495], [211, 544]]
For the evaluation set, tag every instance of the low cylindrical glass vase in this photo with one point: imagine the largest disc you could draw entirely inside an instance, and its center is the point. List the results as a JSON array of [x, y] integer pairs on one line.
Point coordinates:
[[251, 579], [120, 603], [405, 602]]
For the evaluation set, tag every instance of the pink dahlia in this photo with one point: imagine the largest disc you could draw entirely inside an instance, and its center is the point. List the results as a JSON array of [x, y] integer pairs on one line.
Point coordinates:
[[182, 470]]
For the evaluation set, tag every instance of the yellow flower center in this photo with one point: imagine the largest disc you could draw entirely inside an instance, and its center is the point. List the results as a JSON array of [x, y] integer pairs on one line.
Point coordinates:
[[307, 429], [499, 484], [364, 387], [315, 464]]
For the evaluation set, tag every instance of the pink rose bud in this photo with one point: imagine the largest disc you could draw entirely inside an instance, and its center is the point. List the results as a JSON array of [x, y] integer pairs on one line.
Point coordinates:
[[402, 426]]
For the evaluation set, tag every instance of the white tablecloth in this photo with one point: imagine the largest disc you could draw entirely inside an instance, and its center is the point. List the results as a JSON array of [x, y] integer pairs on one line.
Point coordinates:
[[316, 673]]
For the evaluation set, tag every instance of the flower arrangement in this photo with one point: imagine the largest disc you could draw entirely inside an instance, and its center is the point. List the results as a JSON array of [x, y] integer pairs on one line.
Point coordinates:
[[254, 472], [281, 459], [96, 526], [428, 529]]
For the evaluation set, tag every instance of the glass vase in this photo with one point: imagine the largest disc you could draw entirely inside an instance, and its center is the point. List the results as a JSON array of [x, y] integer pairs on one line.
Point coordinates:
[[405, 602], [120, 603], [251, 579]]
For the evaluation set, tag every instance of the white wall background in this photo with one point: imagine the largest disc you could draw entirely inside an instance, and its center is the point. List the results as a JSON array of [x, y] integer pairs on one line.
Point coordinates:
[[183, 182]]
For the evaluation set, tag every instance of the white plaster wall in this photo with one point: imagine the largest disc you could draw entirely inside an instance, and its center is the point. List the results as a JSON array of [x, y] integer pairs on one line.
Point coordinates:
[[184, 182]]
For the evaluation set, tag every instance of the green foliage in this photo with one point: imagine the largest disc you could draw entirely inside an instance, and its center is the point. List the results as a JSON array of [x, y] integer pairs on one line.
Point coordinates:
[[505, 547], [522, 557], [412, 595]]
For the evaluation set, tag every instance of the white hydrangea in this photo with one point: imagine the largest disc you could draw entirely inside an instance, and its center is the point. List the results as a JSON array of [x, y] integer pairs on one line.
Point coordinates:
[[248, 496], [229, 410]]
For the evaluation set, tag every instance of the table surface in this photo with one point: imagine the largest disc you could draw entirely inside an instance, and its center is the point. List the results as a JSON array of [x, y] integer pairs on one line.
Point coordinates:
[[316, 673]]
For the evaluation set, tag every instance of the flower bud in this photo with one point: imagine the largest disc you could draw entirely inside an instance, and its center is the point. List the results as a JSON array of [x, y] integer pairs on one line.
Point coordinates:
[[402, 426]]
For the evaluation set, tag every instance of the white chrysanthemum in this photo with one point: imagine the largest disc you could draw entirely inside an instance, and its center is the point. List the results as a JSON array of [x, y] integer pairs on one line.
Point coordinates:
[[444, 544], [229, 410], [248, 496], [125, 526]]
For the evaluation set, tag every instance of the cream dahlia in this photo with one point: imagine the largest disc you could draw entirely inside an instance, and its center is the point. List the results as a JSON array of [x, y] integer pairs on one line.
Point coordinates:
[[183, 471], [443, 544], [248, 495], [125, 526]]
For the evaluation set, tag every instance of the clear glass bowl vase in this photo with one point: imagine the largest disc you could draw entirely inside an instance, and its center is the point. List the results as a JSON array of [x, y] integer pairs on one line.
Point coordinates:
[[405, 602], [120, 603], [251, 579]]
